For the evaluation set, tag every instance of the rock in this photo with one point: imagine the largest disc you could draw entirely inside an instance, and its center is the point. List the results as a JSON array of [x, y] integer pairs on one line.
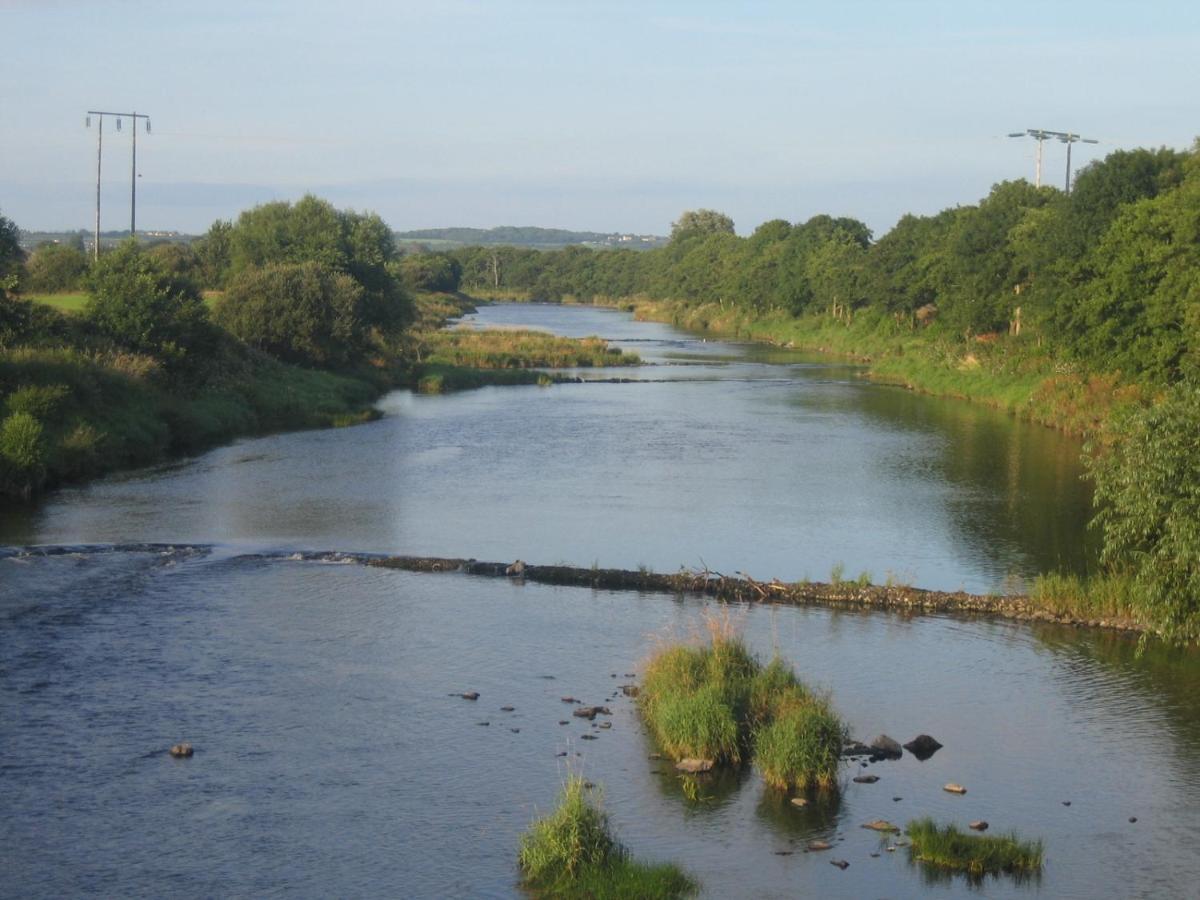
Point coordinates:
[[547, 677], [923, 747], [590, 712], [819, 845], [800, 802], [1132, 819], [784, 852], [563, 722], [630, 690], [507, 708], [978, 825], [470, 695], [694, 766], [517, 569], [570, 700], [515, 730], [182, 751], [840, 863], [587, 737], [605, 725], [1066, 803], [874, 856], [655, 756], [897, 799], [563, 753], [855, 748], [955, 788], [881, 825], [886, 747], [483, 723], [865, 779]]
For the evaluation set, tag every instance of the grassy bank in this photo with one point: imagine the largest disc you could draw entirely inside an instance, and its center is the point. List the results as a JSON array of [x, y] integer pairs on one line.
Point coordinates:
[[573, 853], [504, 348], [976, 855], [1012, 374], [68, 414], [715, 702]]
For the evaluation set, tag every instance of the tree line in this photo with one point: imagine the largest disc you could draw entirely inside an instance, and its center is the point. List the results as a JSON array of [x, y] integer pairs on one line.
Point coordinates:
[[1107, 274]]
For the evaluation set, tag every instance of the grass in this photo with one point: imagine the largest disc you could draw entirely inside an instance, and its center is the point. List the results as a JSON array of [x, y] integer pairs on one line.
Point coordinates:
[[573, 853], [1099, 596], [716, 701], [70, 302], [497, 348], [439, 378], [976, 855]]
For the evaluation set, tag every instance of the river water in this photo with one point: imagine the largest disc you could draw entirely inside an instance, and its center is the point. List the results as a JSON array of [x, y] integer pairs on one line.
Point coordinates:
[[332, 759]]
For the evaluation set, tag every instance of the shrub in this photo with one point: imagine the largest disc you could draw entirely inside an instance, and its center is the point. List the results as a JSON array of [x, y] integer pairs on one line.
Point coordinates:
[[1147, 473], [22, 451]]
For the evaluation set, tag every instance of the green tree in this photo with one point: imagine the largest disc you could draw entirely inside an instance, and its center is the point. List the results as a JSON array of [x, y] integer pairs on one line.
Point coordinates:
[[142, 307], [214, 254], [304, 313], [11, 257], [55, 268], [1147, 475], [700, 222], [430, 271]]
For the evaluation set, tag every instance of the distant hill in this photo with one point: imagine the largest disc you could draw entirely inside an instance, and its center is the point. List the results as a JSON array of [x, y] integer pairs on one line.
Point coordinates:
[[525, 236]]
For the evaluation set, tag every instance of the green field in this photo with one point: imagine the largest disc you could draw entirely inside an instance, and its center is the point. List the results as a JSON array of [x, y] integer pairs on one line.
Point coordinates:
[[71, 303]]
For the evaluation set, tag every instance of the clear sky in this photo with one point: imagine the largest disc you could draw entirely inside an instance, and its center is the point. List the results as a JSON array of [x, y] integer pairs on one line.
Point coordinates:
[[608, 116]]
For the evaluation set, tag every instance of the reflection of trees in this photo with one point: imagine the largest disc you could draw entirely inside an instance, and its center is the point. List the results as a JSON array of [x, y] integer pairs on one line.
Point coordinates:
[[1021, 501], [818, 820], [1162, 678]]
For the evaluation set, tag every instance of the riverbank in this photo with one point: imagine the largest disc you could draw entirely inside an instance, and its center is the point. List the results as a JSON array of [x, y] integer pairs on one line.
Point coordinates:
[[1039, 605], [1012, 374]]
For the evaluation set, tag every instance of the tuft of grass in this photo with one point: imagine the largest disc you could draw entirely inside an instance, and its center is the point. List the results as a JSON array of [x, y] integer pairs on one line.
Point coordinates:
[[801, 748], [977, 855], [716, 701], [836, 573], [573, 853], [1101, 596]]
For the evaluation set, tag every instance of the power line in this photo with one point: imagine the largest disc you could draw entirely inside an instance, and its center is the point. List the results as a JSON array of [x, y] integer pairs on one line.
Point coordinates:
[[100, 114]]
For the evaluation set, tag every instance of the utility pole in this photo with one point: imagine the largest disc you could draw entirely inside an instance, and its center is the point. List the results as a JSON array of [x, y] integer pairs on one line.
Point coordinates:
[[133, 175], [1070, 139], [1041, 135]]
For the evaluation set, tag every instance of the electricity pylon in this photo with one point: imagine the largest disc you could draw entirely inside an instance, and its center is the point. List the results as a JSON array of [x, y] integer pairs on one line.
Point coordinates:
[[134, 176]]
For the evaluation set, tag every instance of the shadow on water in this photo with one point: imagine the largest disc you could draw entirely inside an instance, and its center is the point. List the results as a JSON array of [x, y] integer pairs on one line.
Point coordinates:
[[817, 820]]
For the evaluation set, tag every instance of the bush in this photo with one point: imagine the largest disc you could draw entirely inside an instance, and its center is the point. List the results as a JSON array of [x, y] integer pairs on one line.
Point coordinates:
[[54, 269], [1146, 467], [801, 748], [303, 313], [22, 452], [143, 308]]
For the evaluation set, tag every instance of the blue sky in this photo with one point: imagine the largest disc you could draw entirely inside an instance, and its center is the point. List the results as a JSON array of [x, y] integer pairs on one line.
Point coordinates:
[[609, 116]]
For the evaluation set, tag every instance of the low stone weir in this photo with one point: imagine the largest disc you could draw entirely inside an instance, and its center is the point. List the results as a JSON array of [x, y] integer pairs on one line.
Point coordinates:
[[742, 588]]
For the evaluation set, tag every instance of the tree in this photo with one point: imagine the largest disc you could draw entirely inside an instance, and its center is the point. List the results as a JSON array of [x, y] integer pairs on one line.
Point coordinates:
[[701, 222], [55, 268], [304, 313], [142, 307], [1147, 475], [430, 271], [11, 256], [214, 254]]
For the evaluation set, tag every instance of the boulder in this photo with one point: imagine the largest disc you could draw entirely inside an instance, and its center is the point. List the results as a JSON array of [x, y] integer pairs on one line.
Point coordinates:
[[888, 748], [923, 746], [694, 766], [182, 751]]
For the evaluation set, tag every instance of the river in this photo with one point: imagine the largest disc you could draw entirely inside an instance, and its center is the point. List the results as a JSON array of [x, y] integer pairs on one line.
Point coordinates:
[[332, 758]]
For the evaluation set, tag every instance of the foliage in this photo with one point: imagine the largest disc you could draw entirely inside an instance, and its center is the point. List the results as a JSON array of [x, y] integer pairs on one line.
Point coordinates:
[[22, 453], [430, 272], [976, 855], [11, 257], [304, 313], [1146, 467], [572, 853], [144, 308], [700, 222], [55, 269]]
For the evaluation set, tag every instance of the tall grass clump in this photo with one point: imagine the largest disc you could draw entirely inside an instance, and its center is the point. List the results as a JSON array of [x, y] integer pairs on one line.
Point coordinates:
[[572, 853], [716, 701], [976, 855]]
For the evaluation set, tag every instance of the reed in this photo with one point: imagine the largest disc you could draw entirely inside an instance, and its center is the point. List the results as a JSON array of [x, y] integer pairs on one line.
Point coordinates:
[[977, 855], [573, 853]]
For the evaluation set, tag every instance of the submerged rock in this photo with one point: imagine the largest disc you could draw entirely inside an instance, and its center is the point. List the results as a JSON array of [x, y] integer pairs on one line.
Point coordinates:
[[881, 825], [978, 825], [840, 863], [587, 737], [856, 748], [590, 712], [817, 846], [470, 695], [887, 747], [507, 708], [923, 746], [865, 779], [182, 751], [694, 766]]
